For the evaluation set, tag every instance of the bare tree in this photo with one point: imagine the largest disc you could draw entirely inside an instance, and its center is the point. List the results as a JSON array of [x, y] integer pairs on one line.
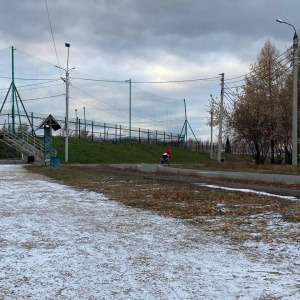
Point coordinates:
[[256, 114]]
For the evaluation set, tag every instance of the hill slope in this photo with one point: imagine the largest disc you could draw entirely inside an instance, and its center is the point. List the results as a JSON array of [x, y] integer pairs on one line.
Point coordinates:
[[85, 151]]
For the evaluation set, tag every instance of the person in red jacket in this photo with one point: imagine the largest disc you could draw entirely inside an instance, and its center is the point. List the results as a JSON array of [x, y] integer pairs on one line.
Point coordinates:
[[169, 152]]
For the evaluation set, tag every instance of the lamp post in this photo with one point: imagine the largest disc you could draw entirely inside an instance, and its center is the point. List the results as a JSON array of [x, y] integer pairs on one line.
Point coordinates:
[[67, 108], [221, 119], [295, 96], [67, 81]]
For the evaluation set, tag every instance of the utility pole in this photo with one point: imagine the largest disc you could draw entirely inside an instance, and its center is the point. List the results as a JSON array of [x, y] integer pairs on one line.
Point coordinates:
[[67, 108], [129, 80], [295, 101], [295, 96], [221, 118], [211, 133]]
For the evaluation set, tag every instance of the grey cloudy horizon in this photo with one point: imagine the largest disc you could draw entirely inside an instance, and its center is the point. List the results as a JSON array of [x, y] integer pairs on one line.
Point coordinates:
[[152, 40]]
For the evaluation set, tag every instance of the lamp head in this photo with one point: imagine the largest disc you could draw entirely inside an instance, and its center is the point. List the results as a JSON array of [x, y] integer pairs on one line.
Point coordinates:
[[279, 20], [67, 45]]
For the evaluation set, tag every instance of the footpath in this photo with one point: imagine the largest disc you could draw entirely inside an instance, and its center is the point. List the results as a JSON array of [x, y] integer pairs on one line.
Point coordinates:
[[286, 185]]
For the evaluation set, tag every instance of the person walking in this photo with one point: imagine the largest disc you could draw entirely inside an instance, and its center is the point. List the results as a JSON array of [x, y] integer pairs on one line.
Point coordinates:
[[169, 152]]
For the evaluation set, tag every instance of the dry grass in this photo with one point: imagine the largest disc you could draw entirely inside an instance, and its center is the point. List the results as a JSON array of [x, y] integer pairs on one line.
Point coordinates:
[[242, 216]]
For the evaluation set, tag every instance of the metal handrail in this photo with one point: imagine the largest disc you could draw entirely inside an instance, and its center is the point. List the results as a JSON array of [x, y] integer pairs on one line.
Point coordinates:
[[28, 142]]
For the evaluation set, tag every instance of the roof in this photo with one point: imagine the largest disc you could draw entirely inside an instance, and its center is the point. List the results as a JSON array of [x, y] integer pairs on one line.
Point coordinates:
[[50, 121]]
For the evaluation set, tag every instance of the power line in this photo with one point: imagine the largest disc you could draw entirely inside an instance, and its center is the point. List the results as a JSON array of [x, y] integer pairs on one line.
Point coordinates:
[[32, 79], [40, 59], [274, 71], [35, 85], [115, 107], [34, 99], [21, 88], [52, 35], [255, 70], [5, 48], [170, 81], [180, 81], [99, 99], [90, 105]]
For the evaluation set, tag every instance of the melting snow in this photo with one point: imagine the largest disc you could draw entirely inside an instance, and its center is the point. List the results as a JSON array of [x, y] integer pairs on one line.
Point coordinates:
[[60, 243], [247, 191]]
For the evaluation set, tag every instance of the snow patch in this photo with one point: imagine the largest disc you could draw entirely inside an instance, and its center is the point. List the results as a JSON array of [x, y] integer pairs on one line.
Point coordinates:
[[61, 243]]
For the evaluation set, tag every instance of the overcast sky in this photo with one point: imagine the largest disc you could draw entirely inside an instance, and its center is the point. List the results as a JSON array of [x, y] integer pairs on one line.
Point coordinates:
[[151, 41]]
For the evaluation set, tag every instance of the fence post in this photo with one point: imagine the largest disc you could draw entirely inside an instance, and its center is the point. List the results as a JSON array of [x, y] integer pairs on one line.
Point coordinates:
[[139, 135], [79, 132], [92, 130], [104, 127], [32, 131]]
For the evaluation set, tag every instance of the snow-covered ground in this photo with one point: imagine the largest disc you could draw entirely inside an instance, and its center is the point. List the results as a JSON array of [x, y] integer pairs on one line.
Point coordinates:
[[60, 243]]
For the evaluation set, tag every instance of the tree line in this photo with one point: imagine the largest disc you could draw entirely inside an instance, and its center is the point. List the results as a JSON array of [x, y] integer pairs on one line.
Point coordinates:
[[259, 112]]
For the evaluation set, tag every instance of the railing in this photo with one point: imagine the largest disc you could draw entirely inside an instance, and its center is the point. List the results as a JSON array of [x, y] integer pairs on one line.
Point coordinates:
[[25, 143], [98, 131]]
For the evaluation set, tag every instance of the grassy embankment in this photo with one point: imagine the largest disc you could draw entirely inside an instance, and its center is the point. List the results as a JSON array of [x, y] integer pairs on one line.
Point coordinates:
[[8, 152], [88, 152]]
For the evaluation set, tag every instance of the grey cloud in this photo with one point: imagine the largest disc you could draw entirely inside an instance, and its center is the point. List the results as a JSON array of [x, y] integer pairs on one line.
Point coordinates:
[[126, 38]]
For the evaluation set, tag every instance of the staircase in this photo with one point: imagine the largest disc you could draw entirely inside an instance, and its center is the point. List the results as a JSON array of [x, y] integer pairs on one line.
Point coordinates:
[[28, 145]]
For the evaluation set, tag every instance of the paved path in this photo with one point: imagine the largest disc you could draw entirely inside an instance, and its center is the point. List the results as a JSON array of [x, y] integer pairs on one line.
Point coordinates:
[[288, 179]]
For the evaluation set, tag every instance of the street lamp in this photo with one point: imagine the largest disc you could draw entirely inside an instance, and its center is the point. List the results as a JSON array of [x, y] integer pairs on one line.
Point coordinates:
[[221, 119], [295, 96], [67, 81], [67, 107]]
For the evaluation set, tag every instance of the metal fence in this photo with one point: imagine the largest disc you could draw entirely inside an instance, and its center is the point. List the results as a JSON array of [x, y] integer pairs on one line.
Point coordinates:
[[95, 131], [234, 149]]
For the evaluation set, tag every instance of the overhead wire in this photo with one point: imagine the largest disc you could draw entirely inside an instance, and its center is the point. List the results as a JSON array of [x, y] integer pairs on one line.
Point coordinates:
[[40, 87], [255, 70], [52, 35], [170, 81], [115, 107], [39, 98], [34, 57], [274, 71], [114, 114]]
